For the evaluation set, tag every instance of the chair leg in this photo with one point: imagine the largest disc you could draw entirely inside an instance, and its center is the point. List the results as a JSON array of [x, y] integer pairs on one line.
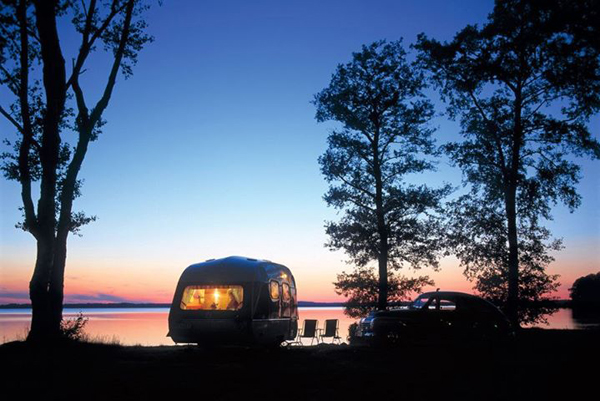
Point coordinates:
[[297, 340]]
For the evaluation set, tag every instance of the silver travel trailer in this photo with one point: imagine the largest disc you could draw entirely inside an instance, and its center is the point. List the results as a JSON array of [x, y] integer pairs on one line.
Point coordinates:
[[234, 300]]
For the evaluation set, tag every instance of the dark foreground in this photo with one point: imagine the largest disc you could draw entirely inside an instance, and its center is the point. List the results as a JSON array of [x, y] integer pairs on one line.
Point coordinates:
[[542, 364]]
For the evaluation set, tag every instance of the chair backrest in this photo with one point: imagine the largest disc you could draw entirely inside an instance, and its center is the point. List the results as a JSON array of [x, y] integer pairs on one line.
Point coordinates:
[[310, 328], [331, 327]]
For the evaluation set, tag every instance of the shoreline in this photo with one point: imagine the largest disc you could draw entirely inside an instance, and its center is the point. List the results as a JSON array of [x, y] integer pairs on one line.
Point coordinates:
[[559, 303], [123, 305]]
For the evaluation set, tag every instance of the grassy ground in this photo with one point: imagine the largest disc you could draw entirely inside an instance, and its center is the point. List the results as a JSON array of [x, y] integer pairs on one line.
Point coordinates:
[[542, 364]]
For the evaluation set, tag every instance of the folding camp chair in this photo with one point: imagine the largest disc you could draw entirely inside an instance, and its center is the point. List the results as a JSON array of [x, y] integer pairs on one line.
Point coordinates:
[[331, 330], [309, 330]]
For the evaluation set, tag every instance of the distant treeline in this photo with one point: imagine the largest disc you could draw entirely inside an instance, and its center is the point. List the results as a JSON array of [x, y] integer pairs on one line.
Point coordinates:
[[301, 304]]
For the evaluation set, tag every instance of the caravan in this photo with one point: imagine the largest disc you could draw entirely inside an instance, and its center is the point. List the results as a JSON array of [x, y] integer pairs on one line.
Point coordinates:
[[234, 300]]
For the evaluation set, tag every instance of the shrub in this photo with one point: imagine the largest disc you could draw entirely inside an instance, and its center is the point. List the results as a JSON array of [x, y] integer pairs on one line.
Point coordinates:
[[74, 329]]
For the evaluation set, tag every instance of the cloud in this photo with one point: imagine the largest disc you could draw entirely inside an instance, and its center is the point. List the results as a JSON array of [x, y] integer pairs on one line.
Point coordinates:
[[97, 297], [14, 297], [22, 297]]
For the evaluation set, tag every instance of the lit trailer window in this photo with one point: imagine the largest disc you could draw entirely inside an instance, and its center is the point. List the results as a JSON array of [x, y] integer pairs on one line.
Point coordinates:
[[212, 297]]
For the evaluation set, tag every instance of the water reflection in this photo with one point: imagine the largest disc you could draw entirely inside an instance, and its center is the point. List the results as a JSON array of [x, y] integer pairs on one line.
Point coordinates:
[[322, 314], [124, 326], [149, 326]]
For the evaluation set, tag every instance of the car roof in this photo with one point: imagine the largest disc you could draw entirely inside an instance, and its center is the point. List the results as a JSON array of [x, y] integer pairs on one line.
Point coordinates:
[[449, 294], [455, 294]]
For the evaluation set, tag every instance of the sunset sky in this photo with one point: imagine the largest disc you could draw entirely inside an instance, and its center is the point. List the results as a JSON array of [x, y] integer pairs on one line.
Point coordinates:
[[211, 150]]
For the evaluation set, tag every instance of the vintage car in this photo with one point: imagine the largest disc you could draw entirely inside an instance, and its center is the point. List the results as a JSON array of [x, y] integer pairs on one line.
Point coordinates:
[[436, 316]]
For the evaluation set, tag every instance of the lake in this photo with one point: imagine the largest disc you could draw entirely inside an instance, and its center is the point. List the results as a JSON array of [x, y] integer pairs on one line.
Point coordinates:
[[148, 326]]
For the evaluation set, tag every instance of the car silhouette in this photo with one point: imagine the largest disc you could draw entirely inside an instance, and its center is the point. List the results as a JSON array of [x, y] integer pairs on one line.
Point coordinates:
[[436, 316]]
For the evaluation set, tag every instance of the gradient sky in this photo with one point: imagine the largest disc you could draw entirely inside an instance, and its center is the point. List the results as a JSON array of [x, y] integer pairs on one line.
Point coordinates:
[[211, 150]]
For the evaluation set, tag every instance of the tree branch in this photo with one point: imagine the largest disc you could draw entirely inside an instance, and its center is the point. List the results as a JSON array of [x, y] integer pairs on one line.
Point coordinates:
[[492, 129], [87, 43], [79, 97], [364, 191], [11, 119], [103, 102], [85, 132], [360, 204], [541, 104], [26, 129], [13, 84]]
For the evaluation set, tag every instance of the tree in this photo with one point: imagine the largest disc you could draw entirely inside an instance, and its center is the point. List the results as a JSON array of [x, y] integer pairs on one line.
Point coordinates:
[[41, 113], [384, 139], [524, 87], [361, 288], [586, 290]]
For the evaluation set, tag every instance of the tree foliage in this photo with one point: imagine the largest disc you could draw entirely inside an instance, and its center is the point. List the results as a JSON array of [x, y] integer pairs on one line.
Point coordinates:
[[385, 139], [586, 289], [361, 288], [523, 87], [476, 231]]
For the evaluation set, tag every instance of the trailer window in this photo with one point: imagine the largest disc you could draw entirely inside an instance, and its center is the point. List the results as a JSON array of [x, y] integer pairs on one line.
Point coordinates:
[[294, 304], [211, 297], [286, 292], [286, 297], [274, 290]]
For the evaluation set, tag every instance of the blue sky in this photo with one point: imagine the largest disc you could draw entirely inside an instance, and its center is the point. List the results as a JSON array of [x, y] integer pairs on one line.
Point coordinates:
[[211, 147]]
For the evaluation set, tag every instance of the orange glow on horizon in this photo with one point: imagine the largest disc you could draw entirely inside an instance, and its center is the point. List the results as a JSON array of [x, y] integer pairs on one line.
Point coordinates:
[[97, 282]]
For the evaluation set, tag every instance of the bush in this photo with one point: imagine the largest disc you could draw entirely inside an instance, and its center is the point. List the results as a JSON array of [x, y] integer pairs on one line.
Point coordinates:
[[74, 329]]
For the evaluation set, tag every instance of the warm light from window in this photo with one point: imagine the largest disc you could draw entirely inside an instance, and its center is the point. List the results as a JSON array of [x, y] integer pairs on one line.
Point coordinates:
[[274, 290], [211, 297]]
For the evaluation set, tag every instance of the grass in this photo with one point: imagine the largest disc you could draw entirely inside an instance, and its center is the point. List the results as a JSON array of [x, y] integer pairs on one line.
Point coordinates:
[[541, 364]]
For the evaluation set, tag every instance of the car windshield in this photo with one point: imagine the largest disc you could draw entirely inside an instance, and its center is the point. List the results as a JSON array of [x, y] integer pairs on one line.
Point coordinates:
[[420, 302]]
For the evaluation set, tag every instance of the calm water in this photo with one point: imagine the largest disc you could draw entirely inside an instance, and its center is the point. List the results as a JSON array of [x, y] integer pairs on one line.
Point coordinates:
[[148, 326]]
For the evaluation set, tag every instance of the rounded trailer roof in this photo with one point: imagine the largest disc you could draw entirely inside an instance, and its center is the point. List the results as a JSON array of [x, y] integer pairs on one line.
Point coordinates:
[[234, 269]]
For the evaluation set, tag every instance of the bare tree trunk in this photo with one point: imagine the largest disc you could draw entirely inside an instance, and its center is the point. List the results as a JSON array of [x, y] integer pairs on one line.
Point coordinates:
[[57, 279], [513, 258], [44, 325], [38, 292], [511, 212], [382, 258], [383, 276]]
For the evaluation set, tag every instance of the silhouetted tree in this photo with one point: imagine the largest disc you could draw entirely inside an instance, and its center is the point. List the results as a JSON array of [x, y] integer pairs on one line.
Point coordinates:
[[586, 290], [361, 288], [524, 86], [41, 113], [385, 138]]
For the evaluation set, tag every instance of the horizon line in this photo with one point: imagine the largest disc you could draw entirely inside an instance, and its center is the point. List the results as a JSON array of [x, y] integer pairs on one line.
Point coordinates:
[[141, 304]]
